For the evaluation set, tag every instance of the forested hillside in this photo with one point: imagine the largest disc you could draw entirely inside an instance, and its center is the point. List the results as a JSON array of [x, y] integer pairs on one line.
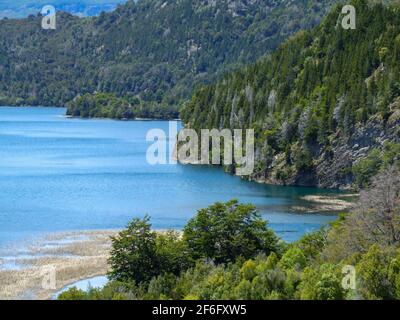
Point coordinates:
[[325, 106], [154, 51]]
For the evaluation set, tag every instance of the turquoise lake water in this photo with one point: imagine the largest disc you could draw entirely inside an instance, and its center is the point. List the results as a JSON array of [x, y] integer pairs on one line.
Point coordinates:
[[62, 174]]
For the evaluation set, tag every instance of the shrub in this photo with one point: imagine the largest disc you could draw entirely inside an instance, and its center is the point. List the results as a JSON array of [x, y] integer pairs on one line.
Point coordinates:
[[374, 274], [366, 168], [73, 294]]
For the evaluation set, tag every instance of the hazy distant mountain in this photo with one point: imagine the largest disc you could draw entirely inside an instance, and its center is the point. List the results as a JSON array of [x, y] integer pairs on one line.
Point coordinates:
[[23, 8]]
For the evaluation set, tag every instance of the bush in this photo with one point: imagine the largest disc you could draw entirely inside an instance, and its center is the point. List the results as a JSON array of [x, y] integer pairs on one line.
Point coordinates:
[[366, 168], [374, 274], [322, 283], [293, 258], [73, 294], [376, 160]]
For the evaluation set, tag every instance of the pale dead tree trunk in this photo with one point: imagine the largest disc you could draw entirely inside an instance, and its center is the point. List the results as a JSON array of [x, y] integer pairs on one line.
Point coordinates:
[[375, 219], [377, 215]]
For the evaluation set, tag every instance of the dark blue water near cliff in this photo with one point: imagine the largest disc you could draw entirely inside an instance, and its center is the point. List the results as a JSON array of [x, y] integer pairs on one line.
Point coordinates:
[[59, 174]]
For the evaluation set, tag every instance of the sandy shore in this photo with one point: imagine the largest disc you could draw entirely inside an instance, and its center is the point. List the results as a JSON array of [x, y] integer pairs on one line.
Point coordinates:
[[73, 256]]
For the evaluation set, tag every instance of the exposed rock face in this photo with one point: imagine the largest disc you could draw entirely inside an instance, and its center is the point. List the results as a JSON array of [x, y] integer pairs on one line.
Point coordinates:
[[332, 168]]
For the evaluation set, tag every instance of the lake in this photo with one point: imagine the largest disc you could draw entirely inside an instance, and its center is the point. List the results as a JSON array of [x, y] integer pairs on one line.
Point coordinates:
[[62, 174]]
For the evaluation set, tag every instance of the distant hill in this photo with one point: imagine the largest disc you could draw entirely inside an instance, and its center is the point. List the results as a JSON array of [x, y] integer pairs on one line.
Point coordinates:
[[24, 8], [151, 53]]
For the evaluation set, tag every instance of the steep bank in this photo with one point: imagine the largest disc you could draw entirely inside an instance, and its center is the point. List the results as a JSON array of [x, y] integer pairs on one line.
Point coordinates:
[[333, 167]]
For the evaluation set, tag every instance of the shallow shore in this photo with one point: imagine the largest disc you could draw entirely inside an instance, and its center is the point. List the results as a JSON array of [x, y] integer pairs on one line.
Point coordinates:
[[73, 256]]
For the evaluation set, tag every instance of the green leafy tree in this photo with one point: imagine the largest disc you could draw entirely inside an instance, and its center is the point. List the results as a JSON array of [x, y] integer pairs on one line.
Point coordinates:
[[225, 231], [138, 253], [172, 252], [134, 253]]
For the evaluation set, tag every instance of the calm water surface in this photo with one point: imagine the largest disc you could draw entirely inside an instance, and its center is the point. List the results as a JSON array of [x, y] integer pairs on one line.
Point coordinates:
[[60, 174]]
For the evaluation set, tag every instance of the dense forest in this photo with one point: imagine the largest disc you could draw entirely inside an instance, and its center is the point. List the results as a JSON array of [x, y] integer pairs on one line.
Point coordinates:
[[228, 252], [325, 100], [152, 50]]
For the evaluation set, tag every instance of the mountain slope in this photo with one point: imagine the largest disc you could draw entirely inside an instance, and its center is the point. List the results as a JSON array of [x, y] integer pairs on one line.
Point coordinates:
[[320, 105], [154, 51]]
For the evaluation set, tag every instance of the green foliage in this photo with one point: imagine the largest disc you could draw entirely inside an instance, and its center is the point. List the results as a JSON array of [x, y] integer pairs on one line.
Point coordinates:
[[161, 287], [303, 159], [375, 161], [391, 154], [224, 232], [394, 274], [293, 258], [73, 294], [323, 283], [366, 168], [138, 254], [172, 252], [248, 270], [312, 244], [113, 290], [377, 275], [103, 105], [373, 270], [134, 255]]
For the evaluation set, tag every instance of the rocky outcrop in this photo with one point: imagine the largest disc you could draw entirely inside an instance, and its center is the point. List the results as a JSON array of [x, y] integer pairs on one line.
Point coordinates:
[[332, 167]]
